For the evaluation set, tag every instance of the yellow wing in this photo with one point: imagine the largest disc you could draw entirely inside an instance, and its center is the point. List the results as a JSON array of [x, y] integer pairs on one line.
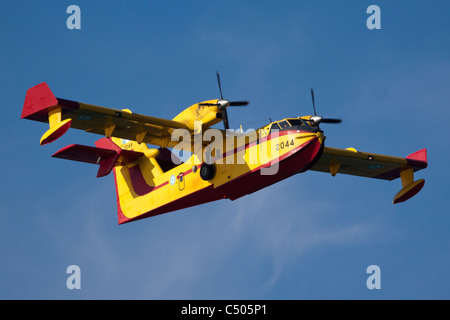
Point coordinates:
[[370, 165], [41, 105]]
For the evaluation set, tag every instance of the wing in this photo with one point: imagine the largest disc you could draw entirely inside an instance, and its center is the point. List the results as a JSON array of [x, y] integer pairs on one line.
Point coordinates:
[[357, 163], [41, 105]]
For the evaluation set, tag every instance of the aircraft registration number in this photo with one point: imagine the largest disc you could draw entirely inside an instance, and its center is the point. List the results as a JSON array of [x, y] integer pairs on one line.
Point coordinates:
[[283, 144]]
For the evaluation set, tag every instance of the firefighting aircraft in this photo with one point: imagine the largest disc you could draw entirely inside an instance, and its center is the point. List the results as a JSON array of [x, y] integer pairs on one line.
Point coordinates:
[[153, 181]]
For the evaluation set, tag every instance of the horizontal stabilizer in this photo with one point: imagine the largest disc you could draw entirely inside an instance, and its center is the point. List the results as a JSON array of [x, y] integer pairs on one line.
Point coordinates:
[[106, 156], [77, 152]]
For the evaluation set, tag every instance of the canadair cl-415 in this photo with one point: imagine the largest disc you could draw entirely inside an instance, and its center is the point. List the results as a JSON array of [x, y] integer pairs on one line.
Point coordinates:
[[215, 164]]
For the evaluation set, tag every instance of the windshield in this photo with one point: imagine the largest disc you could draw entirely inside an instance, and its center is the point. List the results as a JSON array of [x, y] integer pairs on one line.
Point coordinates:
[[296, 122]]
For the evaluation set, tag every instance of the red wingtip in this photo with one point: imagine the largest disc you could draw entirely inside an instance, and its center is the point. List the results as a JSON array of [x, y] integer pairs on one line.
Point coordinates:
[[39, 98], [420, 155]]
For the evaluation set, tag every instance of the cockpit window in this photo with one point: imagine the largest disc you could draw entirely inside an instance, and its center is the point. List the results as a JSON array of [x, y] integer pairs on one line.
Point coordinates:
[[274, 126], [284, 124], [296, 122]]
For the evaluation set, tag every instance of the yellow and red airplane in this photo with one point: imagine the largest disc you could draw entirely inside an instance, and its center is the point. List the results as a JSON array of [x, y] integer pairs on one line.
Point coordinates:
[[152, 181]]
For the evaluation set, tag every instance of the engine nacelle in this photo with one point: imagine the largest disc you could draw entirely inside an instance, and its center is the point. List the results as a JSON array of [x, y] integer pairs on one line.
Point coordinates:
[[207, 115]]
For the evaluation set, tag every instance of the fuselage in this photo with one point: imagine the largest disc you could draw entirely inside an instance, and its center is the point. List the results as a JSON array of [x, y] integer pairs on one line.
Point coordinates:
[[243, 164]]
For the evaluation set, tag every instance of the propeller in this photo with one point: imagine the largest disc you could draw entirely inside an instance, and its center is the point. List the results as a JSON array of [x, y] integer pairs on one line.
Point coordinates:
[[223, 104], [314, 104], [318, 119]]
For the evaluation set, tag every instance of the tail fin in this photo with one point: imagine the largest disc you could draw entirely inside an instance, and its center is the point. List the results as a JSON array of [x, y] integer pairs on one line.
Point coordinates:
[[136, 179]]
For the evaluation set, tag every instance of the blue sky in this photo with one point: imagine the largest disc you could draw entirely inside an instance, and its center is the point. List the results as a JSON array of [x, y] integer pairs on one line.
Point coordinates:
[[308, 237]]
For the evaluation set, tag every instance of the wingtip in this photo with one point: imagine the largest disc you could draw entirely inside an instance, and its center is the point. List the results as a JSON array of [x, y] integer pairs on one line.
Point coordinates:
[[420, 155], [38, 99]]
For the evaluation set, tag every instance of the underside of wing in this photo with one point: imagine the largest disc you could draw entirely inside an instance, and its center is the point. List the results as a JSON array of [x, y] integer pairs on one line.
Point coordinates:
[[370, 165]]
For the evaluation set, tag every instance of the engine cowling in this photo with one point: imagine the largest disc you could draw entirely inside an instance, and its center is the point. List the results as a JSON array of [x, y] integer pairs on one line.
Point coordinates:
[[207, 115]]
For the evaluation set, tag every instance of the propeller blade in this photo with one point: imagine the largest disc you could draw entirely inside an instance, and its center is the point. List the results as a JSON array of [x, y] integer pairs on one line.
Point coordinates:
[[209, 104], [315, 119], [313, 102], [238, 103], [222, 104], [226, 124], [220, 86], [331, 120]]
